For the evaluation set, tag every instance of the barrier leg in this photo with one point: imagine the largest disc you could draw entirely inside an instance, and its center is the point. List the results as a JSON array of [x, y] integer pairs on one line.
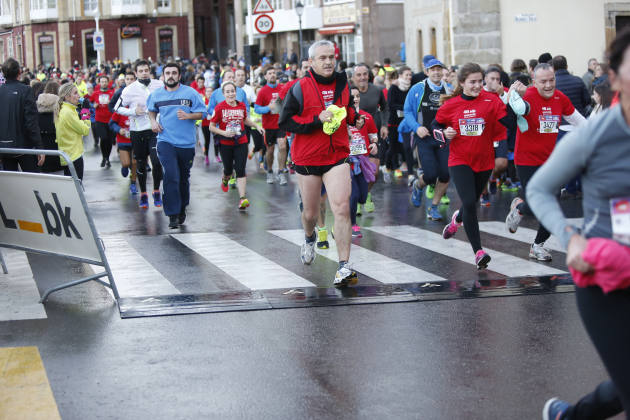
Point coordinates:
[[5, 270], [73, 283]]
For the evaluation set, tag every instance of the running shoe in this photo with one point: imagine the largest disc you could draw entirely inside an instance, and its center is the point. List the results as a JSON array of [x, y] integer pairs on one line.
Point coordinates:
[[345, 276], [508, 186], [307, 253], [387, 176], [108, 164], [410, 179], [250, 155], [451, 229], [445, 200], [173, 223], [218, 159], [369, 204], [554, 409], [514, 217], [124, 171], [181, 218], [398, 173], [224, 185], [207, 161], [103, 163], [359, 213], [243, 203], [133, 188], [356, 232], [482, 259], [433, 213], [416, 194], [157, 199], [539, 252], [492, 186], [430, 193], [322, 239], [232, 183], [269, 177], [282, 178], [485, 200], [144, 201]]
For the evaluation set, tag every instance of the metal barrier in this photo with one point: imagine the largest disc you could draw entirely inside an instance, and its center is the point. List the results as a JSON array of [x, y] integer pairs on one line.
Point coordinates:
[[49, 227]]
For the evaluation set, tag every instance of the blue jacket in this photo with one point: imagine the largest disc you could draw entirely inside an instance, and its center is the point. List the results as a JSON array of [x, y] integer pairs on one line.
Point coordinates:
[[410, 121], [574, 88]]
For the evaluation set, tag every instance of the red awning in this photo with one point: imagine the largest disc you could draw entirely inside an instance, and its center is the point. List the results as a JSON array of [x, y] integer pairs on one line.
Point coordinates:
[[340, 29]]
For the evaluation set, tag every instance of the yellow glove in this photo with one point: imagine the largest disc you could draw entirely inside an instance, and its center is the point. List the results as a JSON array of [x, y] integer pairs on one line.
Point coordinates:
[[339, 114]]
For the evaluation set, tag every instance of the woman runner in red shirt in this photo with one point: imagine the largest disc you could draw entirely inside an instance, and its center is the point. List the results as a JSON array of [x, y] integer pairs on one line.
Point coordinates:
[[472, 120]]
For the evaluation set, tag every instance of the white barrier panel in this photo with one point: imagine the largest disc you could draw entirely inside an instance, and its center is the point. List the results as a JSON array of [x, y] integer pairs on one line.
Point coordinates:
[[44, 213]]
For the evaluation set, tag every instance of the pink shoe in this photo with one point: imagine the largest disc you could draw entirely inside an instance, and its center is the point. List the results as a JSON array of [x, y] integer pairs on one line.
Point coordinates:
[[207, 161], [356, 232], [218, 159], [482, 259], [451, 229]]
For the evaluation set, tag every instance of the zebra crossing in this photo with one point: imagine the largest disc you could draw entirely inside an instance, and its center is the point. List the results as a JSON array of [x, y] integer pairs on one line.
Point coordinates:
[[138, 275]]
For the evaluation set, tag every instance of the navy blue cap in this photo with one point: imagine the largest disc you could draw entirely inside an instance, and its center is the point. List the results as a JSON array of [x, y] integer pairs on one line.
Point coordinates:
[[432, 63], [426, 59]]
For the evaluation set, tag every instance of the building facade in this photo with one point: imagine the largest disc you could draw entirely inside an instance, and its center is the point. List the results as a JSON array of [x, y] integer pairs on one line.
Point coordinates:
[[61, 32], [498, 31]]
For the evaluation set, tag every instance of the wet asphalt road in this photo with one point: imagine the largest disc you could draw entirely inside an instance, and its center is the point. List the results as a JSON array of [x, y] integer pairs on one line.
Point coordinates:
[[498, 357]]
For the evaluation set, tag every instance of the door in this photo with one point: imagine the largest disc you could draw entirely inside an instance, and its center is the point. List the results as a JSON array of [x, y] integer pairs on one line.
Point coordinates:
[[130, 49]]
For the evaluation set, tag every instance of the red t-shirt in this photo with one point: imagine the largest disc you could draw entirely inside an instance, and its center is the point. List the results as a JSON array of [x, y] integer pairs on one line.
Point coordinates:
[[101, 105], [265, 95], [477, 124], [534, 146], [123, 122], [206, 121], [230, 116], [328, 93]]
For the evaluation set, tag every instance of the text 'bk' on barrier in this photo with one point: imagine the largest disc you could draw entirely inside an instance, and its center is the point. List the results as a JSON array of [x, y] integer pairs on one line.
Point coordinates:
[[48, 214]]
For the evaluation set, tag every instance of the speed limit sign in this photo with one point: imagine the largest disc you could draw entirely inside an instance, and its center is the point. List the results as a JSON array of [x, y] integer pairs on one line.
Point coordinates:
[[264, 24]]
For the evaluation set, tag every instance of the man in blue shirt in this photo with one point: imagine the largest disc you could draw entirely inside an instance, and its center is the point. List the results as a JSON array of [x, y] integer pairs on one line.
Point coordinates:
[[179, 107], [217, 95]]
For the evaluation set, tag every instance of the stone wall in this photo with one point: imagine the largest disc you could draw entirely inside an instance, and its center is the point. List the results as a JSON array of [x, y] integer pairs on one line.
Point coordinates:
[[476, 31]]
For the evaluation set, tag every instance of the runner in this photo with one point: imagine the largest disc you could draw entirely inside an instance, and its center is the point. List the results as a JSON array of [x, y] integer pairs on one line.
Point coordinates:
[[133, 104], [228, 124], [103, 135], [395, 103], [540, 111], [421, 106], [179, 107], [268, 104], [205, 130], [119, 124], [319, 156], [477, 116]]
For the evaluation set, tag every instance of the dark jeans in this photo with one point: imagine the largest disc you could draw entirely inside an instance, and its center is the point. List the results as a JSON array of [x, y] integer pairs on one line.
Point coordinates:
[[144, 147], [176, 162], [234, 159], [433, 158], [606, 319], [78, 166], [27, 163], [107, 138], [358, 195], [469, 185], [525, 173]]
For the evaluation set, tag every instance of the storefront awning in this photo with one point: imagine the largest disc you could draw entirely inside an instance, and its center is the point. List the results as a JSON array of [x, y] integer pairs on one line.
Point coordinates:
[[340, 29]]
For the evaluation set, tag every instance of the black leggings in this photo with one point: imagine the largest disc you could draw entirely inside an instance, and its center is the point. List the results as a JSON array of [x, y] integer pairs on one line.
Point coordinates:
[[78, 166], [469, 185], [395, 148], [144, 144], [107, 138], [259, 142], [234, 159], [606, 319], [525, 173], [206, 141]]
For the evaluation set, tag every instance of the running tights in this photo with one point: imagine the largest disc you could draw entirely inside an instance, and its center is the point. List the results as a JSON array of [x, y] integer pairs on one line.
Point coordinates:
[[469, 185], [525, 173], [234, 159], [144, 145]]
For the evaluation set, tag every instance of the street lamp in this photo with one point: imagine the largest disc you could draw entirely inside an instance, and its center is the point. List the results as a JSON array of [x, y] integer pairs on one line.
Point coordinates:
[[97, 16], [299, 9]]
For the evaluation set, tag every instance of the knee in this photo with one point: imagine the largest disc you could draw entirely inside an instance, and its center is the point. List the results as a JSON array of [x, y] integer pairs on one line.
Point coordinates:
[[500, 165], [341, 210]]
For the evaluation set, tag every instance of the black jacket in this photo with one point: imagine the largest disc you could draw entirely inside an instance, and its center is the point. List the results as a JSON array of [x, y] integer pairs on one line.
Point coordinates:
[[19, 120], [575, 89]]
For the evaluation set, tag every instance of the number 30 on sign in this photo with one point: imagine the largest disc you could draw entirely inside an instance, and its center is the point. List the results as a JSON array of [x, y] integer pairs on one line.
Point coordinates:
[[264, 24]]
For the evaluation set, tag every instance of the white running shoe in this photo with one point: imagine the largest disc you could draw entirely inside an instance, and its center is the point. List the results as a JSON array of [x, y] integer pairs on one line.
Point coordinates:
[[539, 252], [307, 253], [345, 276], [282, 178], [269, 177], [514, 217]]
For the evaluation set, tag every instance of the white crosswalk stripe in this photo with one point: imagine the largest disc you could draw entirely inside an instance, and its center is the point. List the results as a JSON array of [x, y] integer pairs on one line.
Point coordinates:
[[505, 264], [19, 297], [370, 263], [523, 234], [244, 265]]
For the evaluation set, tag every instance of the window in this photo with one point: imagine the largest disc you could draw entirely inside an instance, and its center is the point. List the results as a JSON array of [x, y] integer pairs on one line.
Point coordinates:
[[126, 2], [164, 4], [337, 1], [43, 4], [306, 3], [276, 4], [90, 6], [5, 8]]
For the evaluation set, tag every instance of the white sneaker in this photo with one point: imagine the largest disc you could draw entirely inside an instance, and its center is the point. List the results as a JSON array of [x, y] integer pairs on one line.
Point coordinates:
[[345, 276], [387, 176], [514, 217], [269, 177], [539, 252], [282, 178], [307, 253]]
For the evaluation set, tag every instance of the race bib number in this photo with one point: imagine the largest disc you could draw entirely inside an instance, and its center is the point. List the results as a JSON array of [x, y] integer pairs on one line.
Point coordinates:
[[233, 127], [357, 144], [548, 124], [471, 126], [620, 219], [103, 99]]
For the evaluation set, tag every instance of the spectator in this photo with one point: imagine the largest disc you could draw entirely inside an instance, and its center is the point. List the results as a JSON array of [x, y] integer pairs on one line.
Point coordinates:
[[19, 127], [589, 76], [570, 85], [48, 108], [70, 129]]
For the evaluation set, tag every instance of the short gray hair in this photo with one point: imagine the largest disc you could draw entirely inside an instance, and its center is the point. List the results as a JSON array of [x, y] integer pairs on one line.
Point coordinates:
[[315, 45], [541, 66]]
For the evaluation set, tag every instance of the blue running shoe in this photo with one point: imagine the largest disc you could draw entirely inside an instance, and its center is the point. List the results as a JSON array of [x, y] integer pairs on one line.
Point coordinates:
[[485, 200], [133, 188], [157, 198], [433, 213], [124, 171], [144, 201], [554, 409], [416, 194], [492, 187]]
